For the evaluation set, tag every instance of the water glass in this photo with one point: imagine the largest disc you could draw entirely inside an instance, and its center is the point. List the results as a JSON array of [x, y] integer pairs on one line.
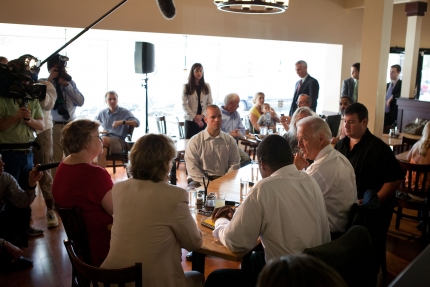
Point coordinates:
[[244, 181], [254, 172], [263, 131], [192, 198], [220, 200]]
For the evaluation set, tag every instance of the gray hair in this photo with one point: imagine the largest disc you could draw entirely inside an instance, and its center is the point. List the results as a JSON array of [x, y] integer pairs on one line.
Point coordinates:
[[303, 63], [230, 97], [304, 110], [307, 98], [318, 126]]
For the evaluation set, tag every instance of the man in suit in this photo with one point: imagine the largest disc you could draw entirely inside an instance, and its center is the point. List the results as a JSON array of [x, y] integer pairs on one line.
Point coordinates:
[[350, 86], [306, 85], [393, 92]]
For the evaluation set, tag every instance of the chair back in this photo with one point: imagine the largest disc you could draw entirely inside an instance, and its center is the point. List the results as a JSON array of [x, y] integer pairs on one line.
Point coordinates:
[[252, 130], [76, 230], [417, 180], [88, 274], [407, 144], [161, 124], [351, 255], [181, 128], [333, 122]]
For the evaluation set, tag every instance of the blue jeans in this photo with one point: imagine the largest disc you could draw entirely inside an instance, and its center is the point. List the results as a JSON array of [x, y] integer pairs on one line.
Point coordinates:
[[18, 164]]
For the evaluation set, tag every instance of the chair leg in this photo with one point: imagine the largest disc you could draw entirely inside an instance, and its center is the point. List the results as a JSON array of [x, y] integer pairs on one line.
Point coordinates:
[[114, 167], [398, 216], [255, 151]]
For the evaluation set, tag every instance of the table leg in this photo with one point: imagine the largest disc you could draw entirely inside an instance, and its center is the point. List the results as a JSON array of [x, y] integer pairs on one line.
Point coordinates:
[[198, 263]]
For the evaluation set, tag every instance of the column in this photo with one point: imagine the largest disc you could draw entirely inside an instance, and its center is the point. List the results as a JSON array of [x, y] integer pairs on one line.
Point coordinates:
[[376, 37], [414, 12]]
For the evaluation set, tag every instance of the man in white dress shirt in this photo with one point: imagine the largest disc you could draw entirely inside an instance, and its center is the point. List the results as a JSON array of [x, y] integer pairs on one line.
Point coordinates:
[[285, 210], [211, 151], [332, 171]]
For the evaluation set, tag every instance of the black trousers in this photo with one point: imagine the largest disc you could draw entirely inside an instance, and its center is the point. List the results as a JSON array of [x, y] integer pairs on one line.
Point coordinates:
[[191, 129], [14, 224], [247, 276]]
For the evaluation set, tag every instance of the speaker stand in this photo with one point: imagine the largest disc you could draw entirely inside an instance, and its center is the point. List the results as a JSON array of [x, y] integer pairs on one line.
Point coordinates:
[[146, 103]]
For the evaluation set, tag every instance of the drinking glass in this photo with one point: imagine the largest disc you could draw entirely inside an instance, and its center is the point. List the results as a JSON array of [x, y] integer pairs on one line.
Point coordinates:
[[192, 198], [220, 200], [244, 181]]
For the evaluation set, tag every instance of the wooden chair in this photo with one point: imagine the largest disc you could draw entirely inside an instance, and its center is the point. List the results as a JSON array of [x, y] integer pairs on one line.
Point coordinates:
[[351, 255], [88, 274], [76, 230], [181, 128], [161, 124], [121, 157], [180, 156], [414, 184], [407, 144]]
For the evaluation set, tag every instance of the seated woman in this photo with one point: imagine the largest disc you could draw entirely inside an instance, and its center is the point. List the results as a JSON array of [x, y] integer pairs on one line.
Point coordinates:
[[268, 117], [152, 218], [79, 183], [420, 154], [291, 135], [255, 112], [299, 270]]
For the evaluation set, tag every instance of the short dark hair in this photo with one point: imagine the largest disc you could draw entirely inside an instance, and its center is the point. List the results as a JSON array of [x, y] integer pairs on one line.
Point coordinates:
[[357, 66], [275, 151], [397, 67], [299, 270], [348, 98], [359, 109]]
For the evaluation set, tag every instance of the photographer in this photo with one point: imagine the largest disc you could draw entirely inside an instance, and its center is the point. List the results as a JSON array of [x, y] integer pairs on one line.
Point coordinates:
[[17, 125], [14, 218], [68, 98]]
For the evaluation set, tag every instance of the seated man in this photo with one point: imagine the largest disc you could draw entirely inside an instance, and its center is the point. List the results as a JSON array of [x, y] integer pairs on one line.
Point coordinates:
[[115, 121], [331, 170], [376, 169], [344, 102], [232, 123], [304, 101], [285, 210], [211, 151], [15, 215]]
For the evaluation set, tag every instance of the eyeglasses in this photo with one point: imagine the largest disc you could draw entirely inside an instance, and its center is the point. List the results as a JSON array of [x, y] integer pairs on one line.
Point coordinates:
[[97, 136]]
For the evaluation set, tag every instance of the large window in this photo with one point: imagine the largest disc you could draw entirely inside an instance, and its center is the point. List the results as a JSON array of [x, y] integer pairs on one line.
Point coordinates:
[[103, 60]]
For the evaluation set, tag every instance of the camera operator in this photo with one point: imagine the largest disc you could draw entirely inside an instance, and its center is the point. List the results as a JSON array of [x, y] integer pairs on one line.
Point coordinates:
[[68, 98], [17, 124]]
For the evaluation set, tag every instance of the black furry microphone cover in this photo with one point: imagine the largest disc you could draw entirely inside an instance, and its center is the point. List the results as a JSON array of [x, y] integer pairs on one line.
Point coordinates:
[[167, 8]]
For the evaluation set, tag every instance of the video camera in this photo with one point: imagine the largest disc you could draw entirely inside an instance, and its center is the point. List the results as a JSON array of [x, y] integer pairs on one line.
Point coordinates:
[[17, 80], [60, 62]]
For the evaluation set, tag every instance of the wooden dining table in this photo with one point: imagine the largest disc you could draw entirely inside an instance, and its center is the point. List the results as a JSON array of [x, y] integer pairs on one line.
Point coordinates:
[[395, 142], [230, 185]]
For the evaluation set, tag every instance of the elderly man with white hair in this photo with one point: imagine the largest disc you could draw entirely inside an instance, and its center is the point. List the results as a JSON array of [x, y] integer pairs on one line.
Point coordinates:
[[232, 123], [332, 171]]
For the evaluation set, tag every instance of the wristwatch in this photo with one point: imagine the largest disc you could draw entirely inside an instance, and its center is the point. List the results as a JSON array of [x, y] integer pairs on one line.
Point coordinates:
[[123, 122]]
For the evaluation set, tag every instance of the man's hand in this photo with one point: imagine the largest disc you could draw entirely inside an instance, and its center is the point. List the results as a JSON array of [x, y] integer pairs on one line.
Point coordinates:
[[34, 176], [224, 212], [116, 124], [14, 251], [300, 162], [23, 113], [235, 133], [389, 101], [63, 82], [53, 74]]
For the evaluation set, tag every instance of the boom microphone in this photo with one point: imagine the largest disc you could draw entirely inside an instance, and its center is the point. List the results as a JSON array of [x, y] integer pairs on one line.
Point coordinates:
[[167, 8]]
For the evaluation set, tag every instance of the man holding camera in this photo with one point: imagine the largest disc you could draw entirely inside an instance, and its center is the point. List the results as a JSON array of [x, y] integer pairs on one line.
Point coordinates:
[[68, 98]]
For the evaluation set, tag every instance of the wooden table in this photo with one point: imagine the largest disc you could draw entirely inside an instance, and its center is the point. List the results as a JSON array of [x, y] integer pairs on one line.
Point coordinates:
[[395, 142], [230, 185]]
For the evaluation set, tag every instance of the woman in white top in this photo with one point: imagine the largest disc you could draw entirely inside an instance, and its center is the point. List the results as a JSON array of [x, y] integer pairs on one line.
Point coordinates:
[[196, 97], [152, 221]]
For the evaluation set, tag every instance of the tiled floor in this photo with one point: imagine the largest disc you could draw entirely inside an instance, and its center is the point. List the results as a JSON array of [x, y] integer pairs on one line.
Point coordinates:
[[52, 267]]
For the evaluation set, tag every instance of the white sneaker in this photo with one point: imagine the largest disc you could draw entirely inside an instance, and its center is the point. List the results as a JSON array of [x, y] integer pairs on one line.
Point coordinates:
[[51, 218]]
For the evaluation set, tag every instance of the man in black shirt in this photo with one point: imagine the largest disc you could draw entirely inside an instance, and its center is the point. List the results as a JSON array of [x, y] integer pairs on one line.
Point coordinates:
[[376, 168]]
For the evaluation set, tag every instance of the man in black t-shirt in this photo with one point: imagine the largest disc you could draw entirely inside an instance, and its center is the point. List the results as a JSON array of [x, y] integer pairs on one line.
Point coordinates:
[[376, 168]]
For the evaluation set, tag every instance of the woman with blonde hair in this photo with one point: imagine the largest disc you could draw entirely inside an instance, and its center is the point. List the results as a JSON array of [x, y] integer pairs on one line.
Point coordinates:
[[80, 183], [196, 96], [255, 112], [152, 219]]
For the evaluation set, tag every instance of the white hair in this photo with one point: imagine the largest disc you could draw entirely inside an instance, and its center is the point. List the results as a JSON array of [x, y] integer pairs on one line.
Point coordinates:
[[318, 126]]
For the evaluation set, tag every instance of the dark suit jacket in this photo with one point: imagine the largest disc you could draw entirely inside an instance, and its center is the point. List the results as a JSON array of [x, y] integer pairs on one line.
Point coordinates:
[[393, 105], [309, 87], [348, 88]]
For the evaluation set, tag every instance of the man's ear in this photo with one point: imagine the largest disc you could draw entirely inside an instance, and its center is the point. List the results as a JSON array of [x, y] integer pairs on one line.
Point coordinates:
[[205, 119]]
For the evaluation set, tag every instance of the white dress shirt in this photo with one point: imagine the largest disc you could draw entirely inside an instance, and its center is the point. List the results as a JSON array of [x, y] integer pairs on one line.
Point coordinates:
[[335, 176], [214, 155], [286, 210]]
